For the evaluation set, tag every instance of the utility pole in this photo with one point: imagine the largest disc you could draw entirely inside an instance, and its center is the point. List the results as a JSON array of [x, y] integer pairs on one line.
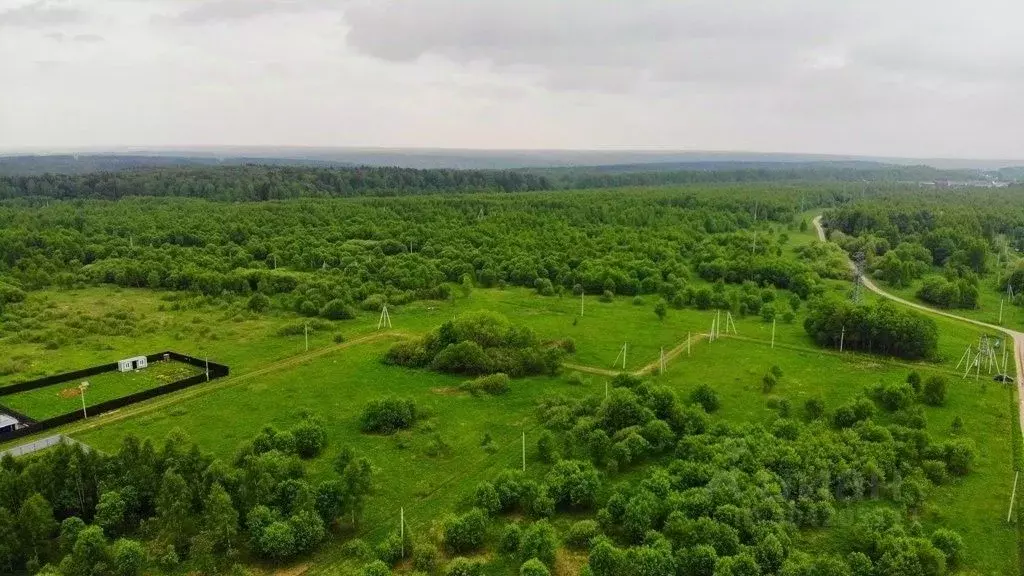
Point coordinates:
[[842, 339], [1000, 310], [581, 303], [773, 333], [208, 366], [81, 392], [306, 332], [524, 450], [1013, 495]]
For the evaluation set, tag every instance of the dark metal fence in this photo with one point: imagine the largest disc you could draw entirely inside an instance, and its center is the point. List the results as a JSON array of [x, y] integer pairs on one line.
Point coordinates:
[[211, 371]]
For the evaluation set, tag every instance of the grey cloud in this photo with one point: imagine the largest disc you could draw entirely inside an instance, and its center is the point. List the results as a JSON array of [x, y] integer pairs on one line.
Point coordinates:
[[206, 11], [704, 40], [41, 14], [609, 46]]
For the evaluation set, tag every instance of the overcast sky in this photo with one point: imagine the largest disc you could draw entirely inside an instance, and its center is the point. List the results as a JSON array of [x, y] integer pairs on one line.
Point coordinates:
[[924, 78]]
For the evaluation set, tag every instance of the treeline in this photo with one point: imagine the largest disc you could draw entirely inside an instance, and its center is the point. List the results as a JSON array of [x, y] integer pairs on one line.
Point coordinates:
[[261, 182], [279, 180], [331, 257], [878, 327], [733, 172], [71, 511]]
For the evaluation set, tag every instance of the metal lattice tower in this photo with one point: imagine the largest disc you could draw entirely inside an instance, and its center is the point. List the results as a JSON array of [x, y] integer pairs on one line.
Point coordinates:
[[858, 276]]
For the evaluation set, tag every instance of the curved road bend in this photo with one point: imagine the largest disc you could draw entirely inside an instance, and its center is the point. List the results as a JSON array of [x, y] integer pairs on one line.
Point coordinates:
[[1018, 337]]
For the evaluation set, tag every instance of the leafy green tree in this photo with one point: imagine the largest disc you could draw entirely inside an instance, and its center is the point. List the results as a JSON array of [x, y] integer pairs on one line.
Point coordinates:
[[573, 483], [698, 560], [258, 302], [220, 519], [110, 513], [90, 556], [375, 568], [464, 533], [661, 309], [337, 310], [935, 391], [36, 523], [129, 557], [276, 541], [486, 498], [547, 447], [173, 510], [310, 437], [533, 567], [511, 539], [705, 397], [9, 550], [539, 542]]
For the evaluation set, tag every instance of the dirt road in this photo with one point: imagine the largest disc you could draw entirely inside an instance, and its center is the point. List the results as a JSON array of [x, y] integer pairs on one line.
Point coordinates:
[[1018, 337]]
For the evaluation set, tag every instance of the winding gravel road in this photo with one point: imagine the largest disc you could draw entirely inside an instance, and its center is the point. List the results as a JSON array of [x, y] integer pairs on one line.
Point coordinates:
[[1018, 337]]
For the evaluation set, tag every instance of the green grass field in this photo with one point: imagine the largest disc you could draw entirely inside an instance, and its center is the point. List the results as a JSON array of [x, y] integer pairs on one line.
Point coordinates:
[[49, 401], [337, 384]]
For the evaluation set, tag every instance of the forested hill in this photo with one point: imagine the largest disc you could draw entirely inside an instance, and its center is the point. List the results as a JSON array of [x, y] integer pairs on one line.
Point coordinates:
[[254, 182]]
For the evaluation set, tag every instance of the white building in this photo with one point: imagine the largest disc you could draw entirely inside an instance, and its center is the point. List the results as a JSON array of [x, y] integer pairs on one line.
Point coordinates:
[[129, 364], [8, 423]]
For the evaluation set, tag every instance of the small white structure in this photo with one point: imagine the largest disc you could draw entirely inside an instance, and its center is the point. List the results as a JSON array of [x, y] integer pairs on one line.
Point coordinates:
[[8, 423], [129, 364]]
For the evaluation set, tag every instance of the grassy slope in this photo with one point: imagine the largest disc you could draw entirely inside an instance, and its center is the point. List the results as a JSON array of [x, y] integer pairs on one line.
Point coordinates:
[[47, 402]]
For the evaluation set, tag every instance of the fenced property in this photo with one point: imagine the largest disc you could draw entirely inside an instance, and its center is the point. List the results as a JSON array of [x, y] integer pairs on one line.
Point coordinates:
[[56, 400]]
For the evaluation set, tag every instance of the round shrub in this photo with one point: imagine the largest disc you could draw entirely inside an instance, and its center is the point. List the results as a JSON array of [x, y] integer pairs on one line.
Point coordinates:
[[539, 542], [464, 567], [376, 568], [935, 391], [511, 539], [310, 437], [337, 310], [388, 415], [464, 533], [534, 567], [424, 557], [706, 397], [581, 533]]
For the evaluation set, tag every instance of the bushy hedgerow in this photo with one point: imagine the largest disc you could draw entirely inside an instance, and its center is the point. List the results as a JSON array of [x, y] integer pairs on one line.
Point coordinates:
[[494, 384]]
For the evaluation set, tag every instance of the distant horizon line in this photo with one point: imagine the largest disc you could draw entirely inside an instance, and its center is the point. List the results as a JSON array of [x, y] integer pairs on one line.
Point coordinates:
[[641, 151]]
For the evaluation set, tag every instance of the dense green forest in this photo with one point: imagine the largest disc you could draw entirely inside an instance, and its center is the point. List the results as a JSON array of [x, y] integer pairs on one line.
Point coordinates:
[[74, 511], [715, 248], [951, 244]]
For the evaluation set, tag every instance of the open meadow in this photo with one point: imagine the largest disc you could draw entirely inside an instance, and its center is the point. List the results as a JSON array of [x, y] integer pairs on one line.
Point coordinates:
[[433, 467]]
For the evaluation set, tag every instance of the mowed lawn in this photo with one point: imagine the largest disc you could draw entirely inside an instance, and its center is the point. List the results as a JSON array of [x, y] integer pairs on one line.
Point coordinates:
[[58, 399]]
